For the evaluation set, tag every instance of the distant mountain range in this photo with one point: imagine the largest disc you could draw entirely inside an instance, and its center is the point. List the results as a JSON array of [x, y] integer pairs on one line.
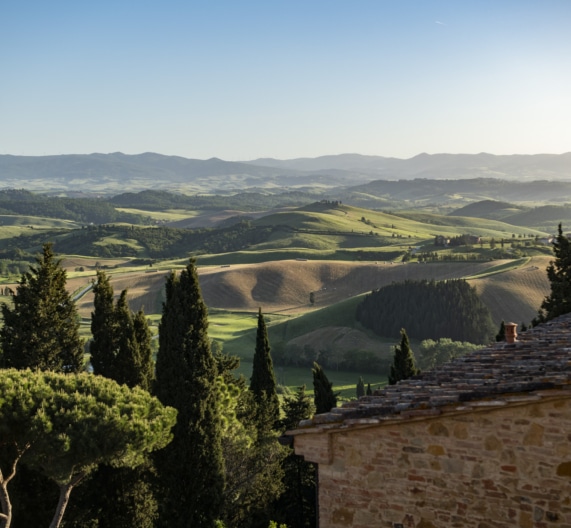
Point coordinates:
[[117, 172]]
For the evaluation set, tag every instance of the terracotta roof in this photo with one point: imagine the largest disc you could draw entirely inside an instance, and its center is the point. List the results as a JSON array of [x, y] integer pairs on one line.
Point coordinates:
[[537, 365]]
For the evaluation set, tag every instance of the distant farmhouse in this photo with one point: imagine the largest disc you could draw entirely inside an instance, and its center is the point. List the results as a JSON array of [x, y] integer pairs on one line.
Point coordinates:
[[482, 442]]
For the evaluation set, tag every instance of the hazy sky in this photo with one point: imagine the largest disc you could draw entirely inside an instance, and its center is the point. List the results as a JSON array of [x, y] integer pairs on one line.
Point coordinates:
[[241, 79]]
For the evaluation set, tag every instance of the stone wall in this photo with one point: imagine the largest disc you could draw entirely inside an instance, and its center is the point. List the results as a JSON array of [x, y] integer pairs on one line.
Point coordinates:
[[486, 468]]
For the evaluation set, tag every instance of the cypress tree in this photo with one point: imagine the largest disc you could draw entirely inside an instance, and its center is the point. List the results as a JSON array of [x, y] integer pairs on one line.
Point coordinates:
[[369, 390], [41, 331], [126, 351], [403, 366], [190, 468], [324, 397], [102, 346], [145, 365], [558, 302], [360, 387], [501, 335], [263, 380]]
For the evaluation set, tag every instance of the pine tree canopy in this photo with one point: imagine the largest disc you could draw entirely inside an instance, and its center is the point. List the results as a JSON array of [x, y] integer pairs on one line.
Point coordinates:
[[403, 366], [41, 331], [558, 302], [65, 425], [192, 479]]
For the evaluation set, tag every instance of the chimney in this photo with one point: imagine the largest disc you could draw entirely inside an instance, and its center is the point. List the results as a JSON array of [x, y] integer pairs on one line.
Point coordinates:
[[511, 332]]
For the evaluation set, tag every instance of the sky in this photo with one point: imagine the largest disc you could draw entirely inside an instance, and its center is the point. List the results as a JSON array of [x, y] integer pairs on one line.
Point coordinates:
[[241, 79]]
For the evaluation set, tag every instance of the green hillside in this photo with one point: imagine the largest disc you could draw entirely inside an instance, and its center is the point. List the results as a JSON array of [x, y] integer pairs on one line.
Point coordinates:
[[490, 209]]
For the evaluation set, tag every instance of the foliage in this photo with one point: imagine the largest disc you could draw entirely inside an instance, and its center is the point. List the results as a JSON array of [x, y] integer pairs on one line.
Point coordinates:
[[120, 350], [433, 353], [41, 331], [501, 335], [360, 390], [248, 201], [296, 506], [263, 380], [429, 310], [558, 302], [83, 210], [192, 480], [403, 366], [253, 459], [324, 397], [65, 425], [121, 345]]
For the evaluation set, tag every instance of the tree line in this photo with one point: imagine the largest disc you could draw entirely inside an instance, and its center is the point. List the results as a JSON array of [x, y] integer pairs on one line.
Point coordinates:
[[428, 310], [85, 210], [156, 242]]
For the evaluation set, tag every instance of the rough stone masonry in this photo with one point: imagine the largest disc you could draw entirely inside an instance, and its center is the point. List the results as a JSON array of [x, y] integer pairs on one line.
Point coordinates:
[[482, 442]]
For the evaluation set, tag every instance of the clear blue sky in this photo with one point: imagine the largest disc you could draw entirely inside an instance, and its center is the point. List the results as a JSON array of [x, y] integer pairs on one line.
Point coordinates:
[[240, 79]]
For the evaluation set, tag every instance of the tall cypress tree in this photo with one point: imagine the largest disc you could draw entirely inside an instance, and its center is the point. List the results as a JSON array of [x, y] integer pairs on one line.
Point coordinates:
[[145, 371], [41, 331], [324, 397], [103, 331], [403, 366], [190, 468], [263, 380], [127, 349], [558, 302]]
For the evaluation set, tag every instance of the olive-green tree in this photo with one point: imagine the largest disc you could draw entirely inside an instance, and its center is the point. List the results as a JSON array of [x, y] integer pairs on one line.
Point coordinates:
[[191, 468], [41, 330], [64, 425]]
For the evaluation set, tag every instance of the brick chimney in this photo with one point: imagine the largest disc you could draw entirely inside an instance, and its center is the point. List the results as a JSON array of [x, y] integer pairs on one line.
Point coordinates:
[[511, 332]]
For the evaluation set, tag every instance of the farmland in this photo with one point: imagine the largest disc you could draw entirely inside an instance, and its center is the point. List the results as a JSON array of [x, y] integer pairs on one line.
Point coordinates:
[[307, 275]]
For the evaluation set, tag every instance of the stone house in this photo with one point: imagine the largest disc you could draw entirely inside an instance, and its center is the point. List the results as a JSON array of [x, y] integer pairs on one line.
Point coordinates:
[[482, 442]]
